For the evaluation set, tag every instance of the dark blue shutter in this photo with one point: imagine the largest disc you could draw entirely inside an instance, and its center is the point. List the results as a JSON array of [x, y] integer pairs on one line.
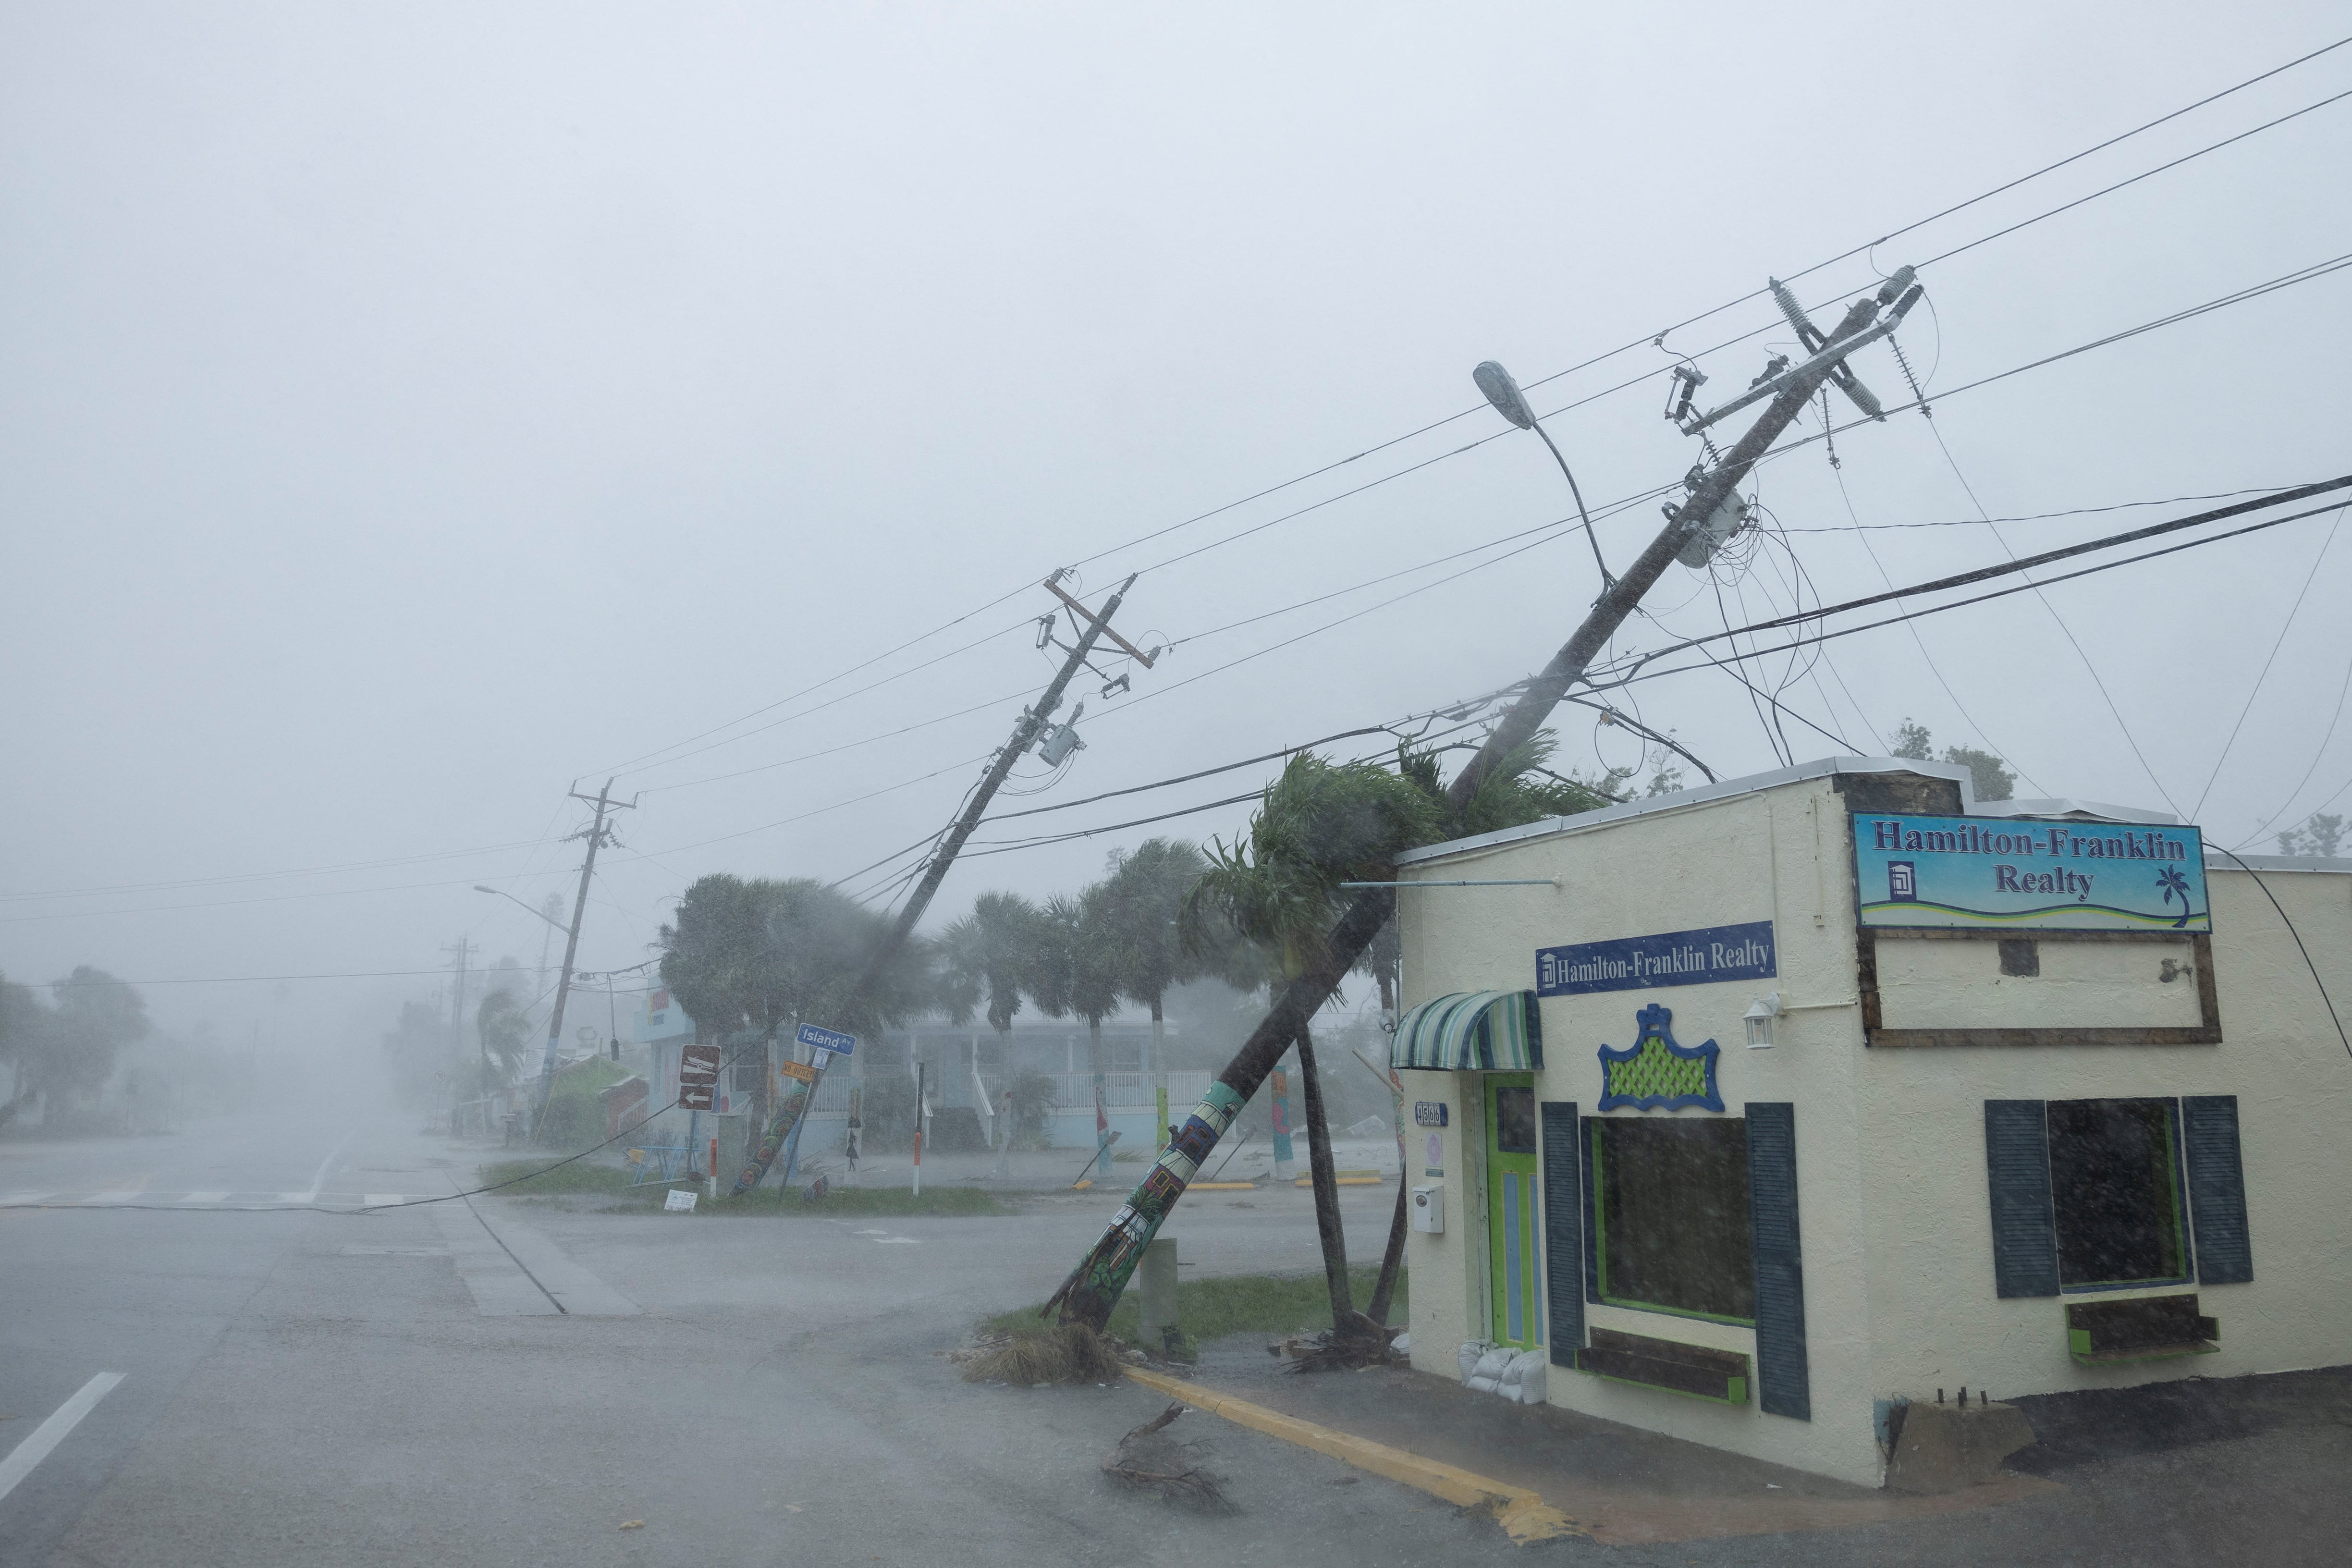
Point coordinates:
[[2217, 1189], [1563, 1208], [1780, 1362], [1592, 1233], [2017, 1168]]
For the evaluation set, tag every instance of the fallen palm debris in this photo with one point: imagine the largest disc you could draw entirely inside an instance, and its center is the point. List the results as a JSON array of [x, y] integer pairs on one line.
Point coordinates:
[[1151, 1462]]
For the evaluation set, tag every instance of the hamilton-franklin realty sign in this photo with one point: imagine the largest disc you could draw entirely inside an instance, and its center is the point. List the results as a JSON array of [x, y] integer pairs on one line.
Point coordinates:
[[1996, 872], [1669, 958]]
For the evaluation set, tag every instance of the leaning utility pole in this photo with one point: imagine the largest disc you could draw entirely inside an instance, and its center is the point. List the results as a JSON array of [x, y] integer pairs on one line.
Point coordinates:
[[1025, 732], [598, 835], [1093, 1287]]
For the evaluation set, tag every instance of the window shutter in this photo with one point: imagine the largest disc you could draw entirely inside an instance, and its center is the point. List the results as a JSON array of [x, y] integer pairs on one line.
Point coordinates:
[[1781, 1361], [2017, 1168], [1563, 1208], [1592, 1237], [2217, 1189]]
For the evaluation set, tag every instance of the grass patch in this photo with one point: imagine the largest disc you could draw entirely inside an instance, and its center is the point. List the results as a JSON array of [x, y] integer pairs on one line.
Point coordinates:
[[1234, 1304], [580, 1176]]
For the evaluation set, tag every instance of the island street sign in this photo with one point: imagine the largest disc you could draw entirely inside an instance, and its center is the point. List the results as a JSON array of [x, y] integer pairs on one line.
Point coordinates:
[[1670, 958], [2006, 874], [832, 1040]]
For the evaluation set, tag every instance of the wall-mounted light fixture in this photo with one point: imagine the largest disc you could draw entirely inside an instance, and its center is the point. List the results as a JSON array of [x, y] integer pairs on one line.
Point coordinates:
[[1759, 1017]]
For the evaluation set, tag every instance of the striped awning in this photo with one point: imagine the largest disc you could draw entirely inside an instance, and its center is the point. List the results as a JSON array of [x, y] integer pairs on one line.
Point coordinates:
[[1471, 1031]]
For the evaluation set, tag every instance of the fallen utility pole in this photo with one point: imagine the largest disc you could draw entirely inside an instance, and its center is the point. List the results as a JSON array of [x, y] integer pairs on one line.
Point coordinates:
[[1093, 1287], [598, 835], [1025, 732]]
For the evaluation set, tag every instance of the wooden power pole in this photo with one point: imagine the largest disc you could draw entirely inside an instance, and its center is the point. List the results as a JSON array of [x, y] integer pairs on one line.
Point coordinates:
[[1025, 732], [1093, 1287], [598, 835]]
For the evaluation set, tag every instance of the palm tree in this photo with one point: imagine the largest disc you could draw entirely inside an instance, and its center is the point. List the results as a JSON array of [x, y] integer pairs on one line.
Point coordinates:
[[1076, 967], [1148, 887], [505, 1031], [1322, 824], [982, 958], [753, 957]]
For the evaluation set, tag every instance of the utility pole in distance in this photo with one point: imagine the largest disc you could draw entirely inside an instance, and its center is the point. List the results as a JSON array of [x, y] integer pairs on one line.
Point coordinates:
[[1032, 724], [457, 1006], [1093, 1287], [598, 835]]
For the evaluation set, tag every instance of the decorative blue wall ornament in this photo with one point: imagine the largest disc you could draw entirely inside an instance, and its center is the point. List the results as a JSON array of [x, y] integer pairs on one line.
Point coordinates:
[[1656, 1074]]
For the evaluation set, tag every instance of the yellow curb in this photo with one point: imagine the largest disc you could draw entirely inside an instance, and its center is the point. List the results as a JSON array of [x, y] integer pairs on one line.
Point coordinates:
[[1524, 1515]]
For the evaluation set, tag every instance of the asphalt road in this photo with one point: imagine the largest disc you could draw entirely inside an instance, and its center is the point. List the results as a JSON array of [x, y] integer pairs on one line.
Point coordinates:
[[508, 1382]]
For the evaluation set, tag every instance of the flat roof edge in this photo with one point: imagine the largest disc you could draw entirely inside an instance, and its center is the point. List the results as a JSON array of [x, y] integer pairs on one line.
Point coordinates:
[[1820, 767], [2217, 861], [1723, 789]]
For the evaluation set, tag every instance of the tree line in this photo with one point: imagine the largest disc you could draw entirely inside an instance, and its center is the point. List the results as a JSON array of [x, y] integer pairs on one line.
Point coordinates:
[[62, 1050]]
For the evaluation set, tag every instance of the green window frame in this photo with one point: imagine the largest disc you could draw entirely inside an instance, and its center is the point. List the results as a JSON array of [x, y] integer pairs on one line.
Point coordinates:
[[2116, 1194], [1689, 1254]]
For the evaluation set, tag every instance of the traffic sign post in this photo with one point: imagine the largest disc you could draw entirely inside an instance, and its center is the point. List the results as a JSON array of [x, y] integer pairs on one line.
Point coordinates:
[[784, 1129]]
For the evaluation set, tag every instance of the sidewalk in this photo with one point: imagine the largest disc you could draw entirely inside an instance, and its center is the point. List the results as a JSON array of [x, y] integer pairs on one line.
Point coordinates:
[[1620, 1485]]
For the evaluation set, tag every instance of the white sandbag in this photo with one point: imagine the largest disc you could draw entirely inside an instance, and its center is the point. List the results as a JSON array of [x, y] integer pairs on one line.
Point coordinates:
[[1468, 1357], [1527, 1373], [1493, 1364], [1483, 1385]]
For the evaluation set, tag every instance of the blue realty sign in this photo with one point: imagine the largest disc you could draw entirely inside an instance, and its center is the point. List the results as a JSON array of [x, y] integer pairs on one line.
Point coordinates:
[[832, 1040], [1670, 958], [2011, 873]]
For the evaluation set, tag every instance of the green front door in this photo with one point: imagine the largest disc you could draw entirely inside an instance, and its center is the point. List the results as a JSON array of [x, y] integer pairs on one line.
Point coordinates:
[[1511, 1225]]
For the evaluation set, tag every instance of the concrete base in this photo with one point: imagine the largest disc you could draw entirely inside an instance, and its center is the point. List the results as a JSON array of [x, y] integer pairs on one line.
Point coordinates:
[[1950, 1447]]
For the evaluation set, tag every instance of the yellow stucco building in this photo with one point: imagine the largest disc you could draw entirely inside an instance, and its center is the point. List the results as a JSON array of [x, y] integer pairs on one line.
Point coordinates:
[[1763, 1106]]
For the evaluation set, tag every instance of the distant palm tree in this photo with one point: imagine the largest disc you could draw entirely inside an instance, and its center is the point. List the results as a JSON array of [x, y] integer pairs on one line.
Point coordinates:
[[1076, 967], [1148, 886], [982, 958]]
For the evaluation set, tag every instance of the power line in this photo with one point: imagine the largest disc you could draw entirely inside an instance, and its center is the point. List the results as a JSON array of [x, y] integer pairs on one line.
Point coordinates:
[[1643, 674], [2285, 626], [805, 712], [851, 745], [1659, 338]]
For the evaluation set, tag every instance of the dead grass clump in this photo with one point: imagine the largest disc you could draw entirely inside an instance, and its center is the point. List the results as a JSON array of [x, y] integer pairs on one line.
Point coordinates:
[[1062, 1352]]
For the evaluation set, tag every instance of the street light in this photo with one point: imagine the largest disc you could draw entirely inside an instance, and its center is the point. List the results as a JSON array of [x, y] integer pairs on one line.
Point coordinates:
[[518, 904], [1512, 404]]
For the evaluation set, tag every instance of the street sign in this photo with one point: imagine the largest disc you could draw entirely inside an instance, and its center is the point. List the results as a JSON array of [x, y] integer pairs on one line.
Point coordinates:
[[832, 1040], [679, 1201], [698, 1076], [794, 1069]]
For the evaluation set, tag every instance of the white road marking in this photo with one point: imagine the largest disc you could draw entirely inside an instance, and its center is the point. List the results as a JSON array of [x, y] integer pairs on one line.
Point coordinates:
[[116, 1197], [205, 1198], [321, 1179], [50, 1433]]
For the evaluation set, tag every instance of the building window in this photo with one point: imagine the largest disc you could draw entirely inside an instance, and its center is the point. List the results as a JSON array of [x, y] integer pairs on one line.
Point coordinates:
[[2114, 1189], [1515, 1120], [1670, 1217]]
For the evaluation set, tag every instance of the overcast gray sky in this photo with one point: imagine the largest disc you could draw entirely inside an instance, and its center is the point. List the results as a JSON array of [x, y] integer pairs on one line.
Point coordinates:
[[408, 411]]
